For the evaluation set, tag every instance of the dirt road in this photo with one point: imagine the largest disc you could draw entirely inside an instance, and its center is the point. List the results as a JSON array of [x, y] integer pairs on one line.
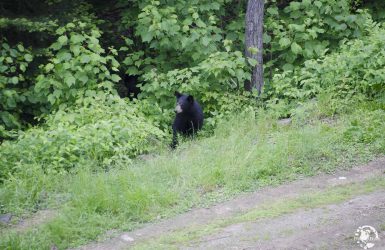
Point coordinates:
[[321, 212]]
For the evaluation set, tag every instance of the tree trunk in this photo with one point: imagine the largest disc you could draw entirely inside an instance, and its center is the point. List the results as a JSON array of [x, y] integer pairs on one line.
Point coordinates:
[[253, 39]]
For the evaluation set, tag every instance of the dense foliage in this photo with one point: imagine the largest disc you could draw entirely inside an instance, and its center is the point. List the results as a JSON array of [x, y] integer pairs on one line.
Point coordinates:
[[56, 52], [63, 64], [56, 56], [16, 89], [88, 86], [356, 70], [112, 130]]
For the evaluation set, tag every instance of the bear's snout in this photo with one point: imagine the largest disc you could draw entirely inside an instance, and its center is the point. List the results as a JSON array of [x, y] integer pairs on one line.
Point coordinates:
[[178, 109]]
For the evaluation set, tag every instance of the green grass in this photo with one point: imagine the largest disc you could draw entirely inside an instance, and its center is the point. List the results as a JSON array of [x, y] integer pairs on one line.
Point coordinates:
[[245, 153], [266, 210]]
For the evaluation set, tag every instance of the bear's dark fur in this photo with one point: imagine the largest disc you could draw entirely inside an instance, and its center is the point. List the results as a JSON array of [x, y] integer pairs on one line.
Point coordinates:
[[188, 119], [128, 87]]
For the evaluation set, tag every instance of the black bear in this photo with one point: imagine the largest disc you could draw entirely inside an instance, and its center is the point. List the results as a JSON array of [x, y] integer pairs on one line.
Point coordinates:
[[188, 119], [128, 86]]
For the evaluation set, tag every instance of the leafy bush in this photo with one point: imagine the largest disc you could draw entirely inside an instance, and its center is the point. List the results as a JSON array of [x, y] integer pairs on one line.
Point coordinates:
[[216, 82], [25, 24], [376, 9], [306, 29], [95, 133], [78, 66], [15, 89], [181, 33], [171, 36], [356, 69]]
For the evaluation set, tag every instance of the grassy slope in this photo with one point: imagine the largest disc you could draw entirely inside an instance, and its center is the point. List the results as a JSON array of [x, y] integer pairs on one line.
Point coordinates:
[[245, 153]]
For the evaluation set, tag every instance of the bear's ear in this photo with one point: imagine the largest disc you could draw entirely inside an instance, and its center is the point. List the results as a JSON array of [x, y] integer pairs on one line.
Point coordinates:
[[190, 98], [177, 94]]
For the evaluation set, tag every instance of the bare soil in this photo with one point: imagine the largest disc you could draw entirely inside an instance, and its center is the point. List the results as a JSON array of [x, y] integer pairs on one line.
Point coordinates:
[[330, 227], [326, 227], [40, 217]]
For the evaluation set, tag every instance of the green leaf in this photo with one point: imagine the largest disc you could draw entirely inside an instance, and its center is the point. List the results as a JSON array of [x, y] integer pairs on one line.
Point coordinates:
[[252, 50], [185, 28], [11, 102], [82, 76], [5, 46], [15, 80], [147, 37], [296, 27], [75, 49], [77, 38], [20, 47], [96, 70], [295, 48], [51, 98], [115, 78], [266, 38], [64, 56], [132, 71], [205, 41], [70, 25], [200, 24], [343, 26], [306, 3], [319, 49], [114, 63], [56, 46], [69, 80], [290, 57], [13, 52], [252, 62], [288, 67], [48, 67], [65, 65], [57, 93], [295, 5], [28, 57], [272, 11], [85, 59], [318, 4], [284, 42], [95, 57], [22, 67], [3, 68], [128, 41], [63, 40], [60, 31]]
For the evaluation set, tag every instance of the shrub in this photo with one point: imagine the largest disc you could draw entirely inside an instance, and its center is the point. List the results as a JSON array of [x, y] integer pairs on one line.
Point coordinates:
[[216, 82], [306, 29], [95, 133], [77, 65], [356, 69], [15, 88]]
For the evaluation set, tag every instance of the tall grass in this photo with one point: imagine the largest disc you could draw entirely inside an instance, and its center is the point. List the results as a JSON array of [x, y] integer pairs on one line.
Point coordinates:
[[245, 152]]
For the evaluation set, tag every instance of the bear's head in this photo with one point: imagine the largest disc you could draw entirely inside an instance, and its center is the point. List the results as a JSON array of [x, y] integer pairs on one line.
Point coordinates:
[[184, 103]]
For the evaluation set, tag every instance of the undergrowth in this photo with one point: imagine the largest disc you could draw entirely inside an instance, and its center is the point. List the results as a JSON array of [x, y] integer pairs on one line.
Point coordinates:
[[245, 153]]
